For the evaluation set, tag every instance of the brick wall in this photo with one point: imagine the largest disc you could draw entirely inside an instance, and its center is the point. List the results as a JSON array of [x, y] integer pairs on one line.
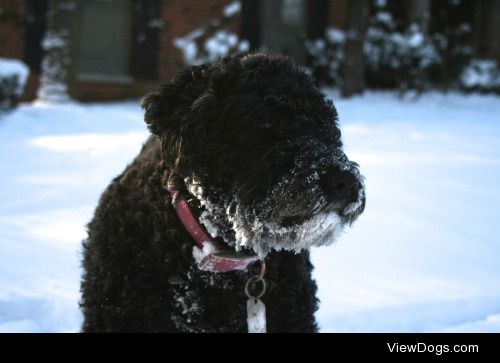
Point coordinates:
[[12, 40], [180, 18], [12, 28], [337, 16], [109, 91]]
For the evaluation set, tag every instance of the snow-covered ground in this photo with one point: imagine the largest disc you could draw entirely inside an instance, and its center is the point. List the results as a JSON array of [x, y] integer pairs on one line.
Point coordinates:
[[423, 257], [55, 161]]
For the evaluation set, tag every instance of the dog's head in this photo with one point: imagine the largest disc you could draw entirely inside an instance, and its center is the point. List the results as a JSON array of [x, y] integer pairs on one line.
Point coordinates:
[[259, 149]]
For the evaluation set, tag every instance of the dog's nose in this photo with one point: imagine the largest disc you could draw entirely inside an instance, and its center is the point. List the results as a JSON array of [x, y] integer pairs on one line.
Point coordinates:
[[340, 187]]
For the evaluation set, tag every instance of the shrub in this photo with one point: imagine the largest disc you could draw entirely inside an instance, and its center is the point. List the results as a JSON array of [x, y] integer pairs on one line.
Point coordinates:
[[481, 75], [13, 76]]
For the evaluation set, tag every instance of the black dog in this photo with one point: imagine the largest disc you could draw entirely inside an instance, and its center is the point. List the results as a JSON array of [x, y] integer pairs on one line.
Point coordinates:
[[252, 149]]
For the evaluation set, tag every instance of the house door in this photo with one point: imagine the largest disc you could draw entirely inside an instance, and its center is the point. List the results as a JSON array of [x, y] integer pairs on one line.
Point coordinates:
[[104, 40], [283, 27]]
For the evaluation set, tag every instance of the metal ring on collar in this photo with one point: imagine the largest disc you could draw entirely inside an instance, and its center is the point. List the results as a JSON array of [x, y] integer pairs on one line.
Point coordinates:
[[255, 279]]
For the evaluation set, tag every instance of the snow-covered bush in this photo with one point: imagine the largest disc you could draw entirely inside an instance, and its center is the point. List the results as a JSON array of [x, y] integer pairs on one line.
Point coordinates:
[[207, 45], [412, 59], [57, 45], [394, 59], [213, 40], [13, 77], [327, 57], [481, 75], [397, 57], [53, 82], [455, 54]]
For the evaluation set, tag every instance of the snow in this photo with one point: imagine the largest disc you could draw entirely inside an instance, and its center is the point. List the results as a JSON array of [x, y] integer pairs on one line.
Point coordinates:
[[218, 45], [481, 73], [53, 82], [384, 17], [56, 160], [14, 68], [416, 40], [200, 254], [244, 46], [232, 9], [187, 44], [488, 325], [156, 23], [335, 35], [219, 41], [422, 257], [54, 40]]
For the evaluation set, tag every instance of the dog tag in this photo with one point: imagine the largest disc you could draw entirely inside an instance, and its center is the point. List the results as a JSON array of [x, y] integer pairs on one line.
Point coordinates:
[[256, 315]]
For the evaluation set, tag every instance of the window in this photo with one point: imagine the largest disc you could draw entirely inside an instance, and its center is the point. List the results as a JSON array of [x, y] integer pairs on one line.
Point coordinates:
[[104, 41], [292, 12], [283, 26]]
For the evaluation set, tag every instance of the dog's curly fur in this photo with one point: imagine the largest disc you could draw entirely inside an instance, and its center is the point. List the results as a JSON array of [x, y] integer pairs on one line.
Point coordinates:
[[253, 139]]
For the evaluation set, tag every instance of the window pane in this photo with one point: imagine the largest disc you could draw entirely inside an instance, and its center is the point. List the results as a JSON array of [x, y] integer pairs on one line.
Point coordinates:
[[292, 12], [104, 38]]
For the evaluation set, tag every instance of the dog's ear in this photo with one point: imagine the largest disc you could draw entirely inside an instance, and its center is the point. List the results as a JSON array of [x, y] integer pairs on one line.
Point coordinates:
[[164, 104]]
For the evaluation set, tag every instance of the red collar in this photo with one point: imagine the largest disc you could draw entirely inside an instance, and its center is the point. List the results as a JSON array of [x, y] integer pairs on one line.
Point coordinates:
[[212, 256]]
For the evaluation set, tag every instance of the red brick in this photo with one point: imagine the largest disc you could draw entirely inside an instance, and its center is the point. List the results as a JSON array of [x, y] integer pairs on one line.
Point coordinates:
[[337, 16], [12, 29]]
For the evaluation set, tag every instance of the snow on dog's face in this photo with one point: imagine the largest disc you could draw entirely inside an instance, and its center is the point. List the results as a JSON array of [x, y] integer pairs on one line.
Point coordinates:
[[260, 152]]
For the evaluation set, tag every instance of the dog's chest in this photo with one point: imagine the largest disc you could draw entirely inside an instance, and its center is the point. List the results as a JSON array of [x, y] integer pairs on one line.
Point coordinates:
[[209, 302]]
